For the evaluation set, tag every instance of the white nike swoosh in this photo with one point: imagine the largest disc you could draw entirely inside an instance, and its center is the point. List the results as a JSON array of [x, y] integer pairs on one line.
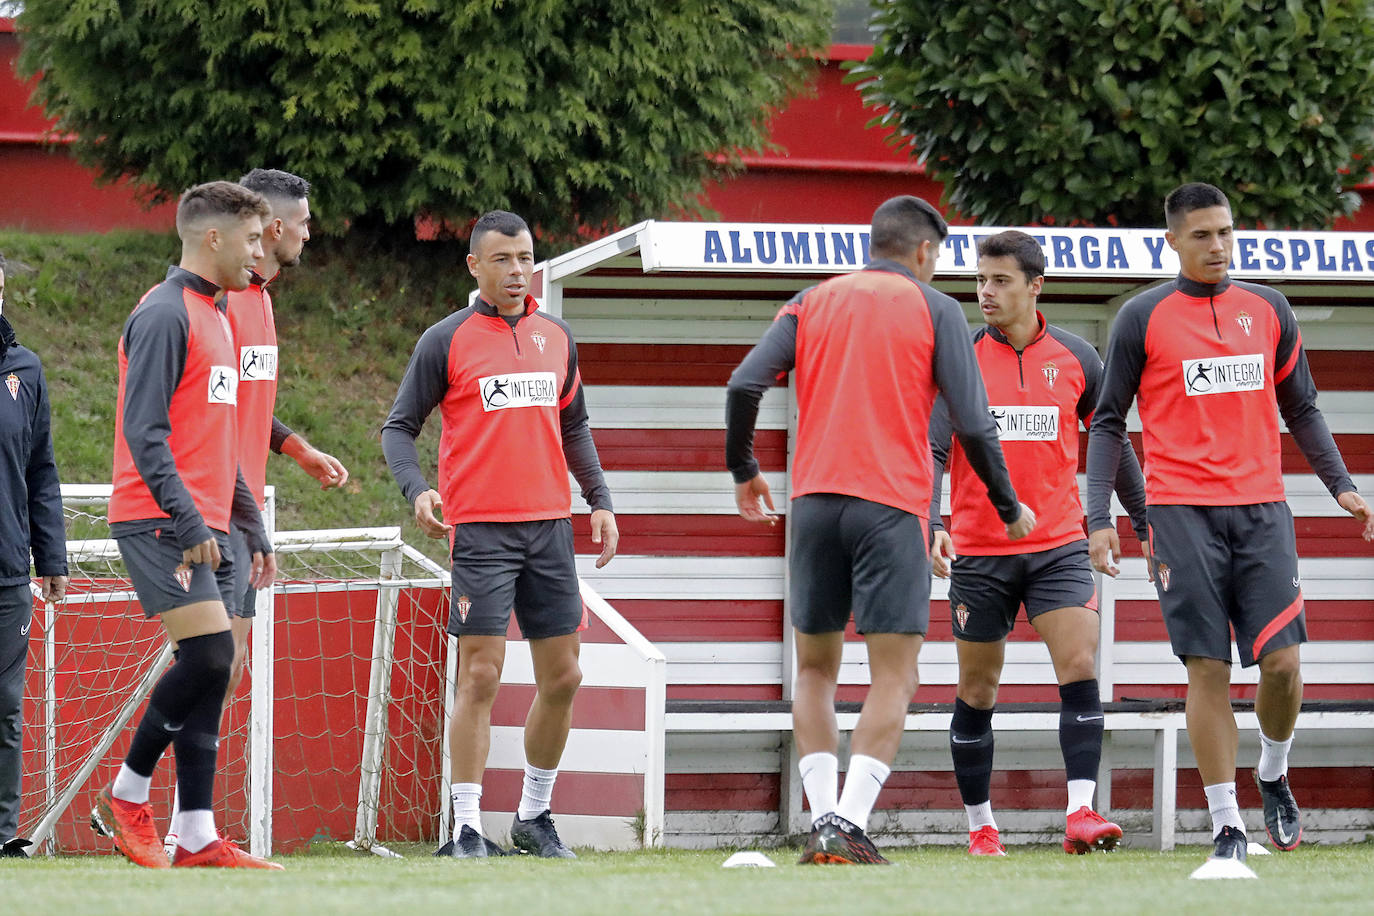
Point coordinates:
[[1284, 838], [957, 740], [1089, 718]]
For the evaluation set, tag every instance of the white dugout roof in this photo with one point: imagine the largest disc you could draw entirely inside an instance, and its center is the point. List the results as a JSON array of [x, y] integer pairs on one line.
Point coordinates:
[[745, 270]]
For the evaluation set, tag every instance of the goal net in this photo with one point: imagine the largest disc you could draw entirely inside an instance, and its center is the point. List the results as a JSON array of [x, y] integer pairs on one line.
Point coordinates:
[[355, 613]]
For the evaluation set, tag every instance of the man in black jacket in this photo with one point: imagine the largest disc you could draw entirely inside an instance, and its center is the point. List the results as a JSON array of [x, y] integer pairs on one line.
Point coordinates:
[[31, 521]]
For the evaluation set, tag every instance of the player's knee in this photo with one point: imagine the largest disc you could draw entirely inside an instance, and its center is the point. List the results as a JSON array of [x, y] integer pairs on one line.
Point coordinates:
[[211, 656], [478, 680], [1281, 669], [561, 686], [979, 693]]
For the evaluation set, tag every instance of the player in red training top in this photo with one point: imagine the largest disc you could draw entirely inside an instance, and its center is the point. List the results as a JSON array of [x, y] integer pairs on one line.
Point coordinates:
[[284, 234], [176, 488], [504, 377], [870, 351], [1208, 360], [1041, 382]]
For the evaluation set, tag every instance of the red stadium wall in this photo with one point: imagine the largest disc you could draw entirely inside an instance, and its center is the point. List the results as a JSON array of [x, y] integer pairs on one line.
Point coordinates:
[[829, 165]]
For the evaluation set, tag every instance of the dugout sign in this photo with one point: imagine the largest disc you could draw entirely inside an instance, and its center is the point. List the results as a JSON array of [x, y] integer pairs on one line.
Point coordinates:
[[837, 248]]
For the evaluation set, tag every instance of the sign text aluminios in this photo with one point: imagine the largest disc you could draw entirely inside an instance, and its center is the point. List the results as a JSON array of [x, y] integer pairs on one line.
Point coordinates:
[[830, 249]]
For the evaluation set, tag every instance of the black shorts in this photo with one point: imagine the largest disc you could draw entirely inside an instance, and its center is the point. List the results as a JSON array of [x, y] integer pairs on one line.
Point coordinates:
[[164, 583], [527, 567], [852, 554], [245, 596], [1219, 567], [985, 593]]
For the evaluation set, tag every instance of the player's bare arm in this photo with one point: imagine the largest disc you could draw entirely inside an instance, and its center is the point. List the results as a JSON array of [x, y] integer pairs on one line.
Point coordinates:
[[325, 468], [606, 533], [428, 505], [1354, 503], [751, 497]]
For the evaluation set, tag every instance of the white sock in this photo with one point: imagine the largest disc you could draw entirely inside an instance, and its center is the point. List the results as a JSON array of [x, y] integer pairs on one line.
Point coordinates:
[[536, 796], [195, 829], [1273, 761], [820, 776], [1081, 794], [1221, 803], [131, 787], [176, 810], [862, 782], [980, 816], [467, 806]]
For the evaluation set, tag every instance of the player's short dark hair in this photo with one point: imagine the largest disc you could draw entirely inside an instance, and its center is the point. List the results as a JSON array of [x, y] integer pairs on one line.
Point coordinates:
[[274, 184], [901, 224], [1196, 195], [216, 199], [1013, 243], [502, 221]]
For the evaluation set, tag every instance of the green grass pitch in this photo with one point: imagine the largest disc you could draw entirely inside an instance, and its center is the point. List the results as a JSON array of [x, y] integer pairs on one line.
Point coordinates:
[[1313, 879]]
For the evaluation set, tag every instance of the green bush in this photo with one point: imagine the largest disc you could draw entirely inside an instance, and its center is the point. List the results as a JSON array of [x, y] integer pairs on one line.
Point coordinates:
[[577, 114], [1090, 111]]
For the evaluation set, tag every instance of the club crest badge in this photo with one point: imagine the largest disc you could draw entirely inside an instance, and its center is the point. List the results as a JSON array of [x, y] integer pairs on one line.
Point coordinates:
[[539, 340], [464, 604], [12, 383], [1162, 575], [1243, 319], [961, 614], [1051, 373], [183, 577]]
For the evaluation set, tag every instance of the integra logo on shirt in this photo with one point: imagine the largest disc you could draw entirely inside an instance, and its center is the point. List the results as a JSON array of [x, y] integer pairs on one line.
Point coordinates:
[[257, 364], [1223, 374], [1026, 424], [518, 389], [224, 385]]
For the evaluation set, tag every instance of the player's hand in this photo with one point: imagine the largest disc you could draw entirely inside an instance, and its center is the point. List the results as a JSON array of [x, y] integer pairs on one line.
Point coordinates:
[[941, 553], [1354, 503], [606, 533], [327, 469], [54, 588], [427, 505], [750, 498], [1104, 549], [1023, 525], [263, 570], [206, 551], [1149, 561]]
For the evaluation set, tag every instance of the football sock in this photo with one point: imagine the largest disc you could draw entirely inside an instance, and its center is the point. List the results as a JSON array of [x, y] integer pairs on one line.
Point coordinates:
[[195, 829], [820, 775], [467, 806], [201, 667], [1221, 803], [536, 796], [1273, 761], [980, 816], [130, 786], [862, 782], [971, 746], [1080, 730], [1081, 794]]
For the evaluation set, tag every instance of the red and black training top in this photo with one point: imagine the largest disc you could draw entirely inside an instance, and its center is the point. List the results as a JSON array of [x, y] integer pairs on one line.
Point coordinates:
[[255, 339], [871, 350], [1037, 398], [175, 448], [514, 418], [1207, 364]]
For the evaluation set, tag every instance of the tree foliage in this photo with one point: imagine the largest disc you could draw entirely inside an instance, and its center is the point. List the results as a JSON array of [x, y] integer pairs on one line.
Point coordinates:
[[1090, 111], [577, 114]]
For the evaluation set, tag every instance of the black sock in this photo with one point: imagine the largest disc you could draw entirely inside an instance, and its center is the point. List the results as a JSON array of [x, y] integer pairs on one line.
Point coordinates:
[[201, 668], [196, 748], [1080, 728], [970, 744]]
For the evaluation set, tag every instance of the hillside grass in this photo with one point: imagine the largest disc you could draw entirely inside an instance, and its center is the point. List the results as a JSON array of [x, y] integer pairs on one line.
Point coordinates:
[[347, 319]]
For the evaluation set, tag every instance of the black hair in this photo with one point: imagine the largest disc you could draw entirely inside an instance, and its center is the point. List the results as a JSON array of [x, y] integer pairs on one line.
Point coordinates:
[[502, 221], [901, 224], [1030, 257], [274, 184], [1186, 198]]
